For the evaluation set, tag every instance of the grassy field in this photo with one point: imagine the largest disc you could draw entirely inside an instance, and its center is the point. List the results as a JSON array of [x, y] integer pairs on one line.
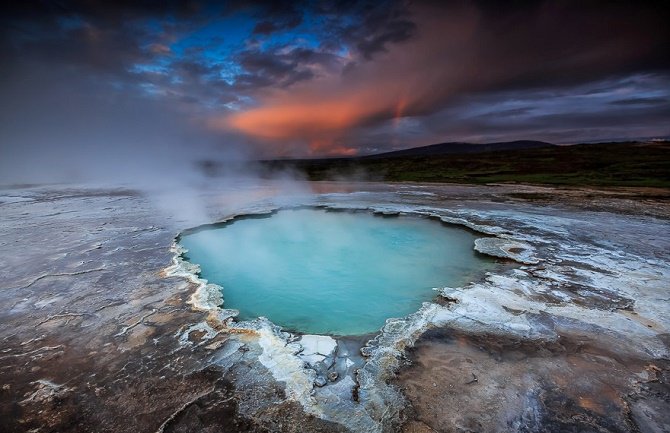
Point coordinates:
[[602, 164]]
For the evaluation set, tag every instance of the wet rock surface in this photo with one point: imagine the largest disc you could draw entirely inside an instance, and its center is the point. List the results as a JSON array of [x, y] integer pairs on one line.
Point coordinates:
[[487, 383], [101, 330]]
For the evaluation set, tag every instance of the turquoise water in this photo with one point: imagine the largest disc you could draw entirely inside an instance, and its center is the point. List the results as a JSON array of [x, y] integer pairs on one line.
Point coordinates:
[[335, 273]]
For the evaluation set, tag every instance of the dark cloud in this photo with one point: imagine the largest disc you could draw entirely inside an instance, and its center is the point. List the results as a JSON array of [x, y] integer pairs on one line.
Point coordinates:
[[561, 115], [552, 43], [507, 113], [268, 27], [281, 69], [640, 101], [282, 66], [272, 16], [381, 27], [99, 10], [104, 37], [367, 27]]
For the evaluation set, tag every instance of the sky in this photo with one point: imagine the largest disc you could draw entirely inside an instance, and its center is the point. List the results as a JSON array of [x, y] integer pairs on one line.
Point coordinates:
[[126, 82]]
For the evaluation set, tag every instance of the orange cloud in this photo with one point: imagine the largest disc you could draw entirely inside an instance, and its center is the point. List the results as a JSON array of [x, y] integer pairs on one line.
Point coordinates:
[[324, 147], [291, 120], [394, 84]]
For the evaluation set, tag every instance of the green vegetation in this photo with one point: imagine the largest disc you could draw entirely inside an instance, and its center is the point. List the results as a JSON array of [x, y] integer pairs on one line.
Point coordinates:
[[632, 164]]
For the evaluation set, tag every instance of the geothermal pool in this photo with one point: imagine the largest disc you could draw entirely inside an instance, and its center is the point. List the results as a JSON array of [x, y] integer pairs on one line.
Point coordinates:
[[314, 271]]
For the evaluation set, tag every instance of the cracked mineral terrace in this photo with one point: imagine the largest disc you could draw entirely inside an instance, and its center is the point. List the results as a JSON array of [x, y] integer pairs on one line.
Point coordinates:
[[106, 328]]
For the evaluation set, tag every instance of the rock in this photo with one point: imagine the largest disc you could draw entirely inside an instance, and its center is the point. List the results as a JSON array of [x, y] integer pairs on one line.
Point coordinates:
[[320, 381], [312, 359], [508, 249], [320, 344], [294, 347], [316, 348], [332, 376], [46, 391]]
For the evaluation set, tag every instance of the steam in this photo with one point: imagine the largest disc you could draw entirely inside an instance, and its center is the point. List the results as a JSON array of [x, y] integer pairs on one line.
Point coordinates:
[[60, 125]]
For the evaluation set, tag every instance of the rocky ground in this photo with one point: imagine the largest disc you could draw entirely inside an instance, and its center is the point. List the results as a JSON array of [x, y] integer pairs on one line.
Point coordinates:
[[105, 329]]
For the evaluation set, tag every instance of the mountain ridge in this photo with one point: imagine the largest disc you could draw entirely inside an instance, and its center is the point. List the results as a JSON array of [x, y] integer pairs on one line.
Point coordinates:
[[459, 147]]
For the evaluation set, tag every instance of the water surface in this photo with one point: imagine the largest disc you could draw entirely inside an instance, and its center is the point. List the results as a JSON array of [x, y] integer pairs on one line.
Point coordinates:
[[336, 273]]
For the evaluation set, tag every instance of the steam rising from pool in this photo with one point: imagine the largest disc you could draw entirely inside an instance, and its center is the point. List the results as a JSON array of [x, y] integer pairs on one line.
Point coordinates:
[[337, 273]]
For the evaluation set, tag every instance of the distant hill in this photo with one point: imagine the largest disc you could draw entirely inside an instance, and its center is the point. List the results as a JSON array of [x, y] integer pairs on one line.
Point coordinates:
[[633, 164], [460, 148], [629, 164]]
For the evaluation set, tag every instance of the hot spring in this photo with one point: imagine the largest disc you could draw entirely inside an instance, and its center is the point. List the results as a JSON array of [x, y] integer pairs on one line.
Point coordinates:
[[314, 271]]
